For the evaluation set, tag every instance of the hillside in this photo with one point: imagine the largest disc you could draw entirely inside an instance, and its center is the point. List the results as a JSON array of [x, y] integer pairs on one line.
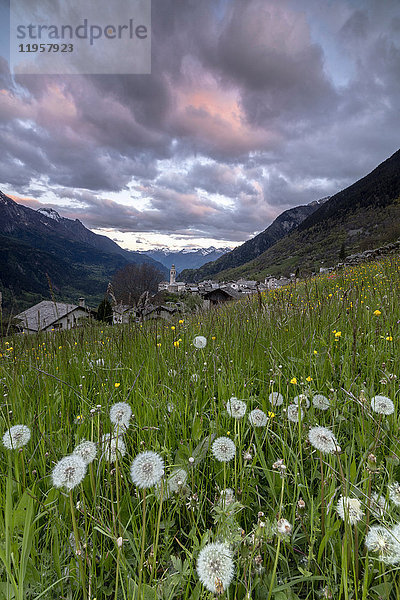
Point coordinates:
[[282, 225], [364, 215], [41, 246]]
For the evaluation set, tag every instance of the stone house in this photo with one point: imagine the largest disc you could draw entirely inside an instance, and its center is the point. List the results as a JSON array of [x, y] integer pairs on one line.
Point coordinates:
[[52, 316]]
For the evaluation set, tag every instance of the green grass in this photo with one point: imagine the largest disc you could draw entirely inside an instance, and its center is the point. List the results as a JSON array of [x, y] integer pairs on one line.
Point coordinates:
[[323, 335]]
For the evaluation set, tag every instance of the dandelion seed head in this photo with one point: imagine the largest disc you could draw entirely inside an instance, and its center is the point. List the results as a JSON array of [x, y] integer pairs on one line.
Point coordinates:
[[349, 509], [236, 408], [227, 497], [69, 472], [111, 444], [394, 492], [177, 481], [276, 399], [224, 449], [321, 402], [384, 542], [301, 400], [86, 450], [120, 414], [378, 505], [258, 418], [293, 412], [382, 405], [147, 469], [323, 439], [215, 567], [283, 527], [16, 437], [200, 341]]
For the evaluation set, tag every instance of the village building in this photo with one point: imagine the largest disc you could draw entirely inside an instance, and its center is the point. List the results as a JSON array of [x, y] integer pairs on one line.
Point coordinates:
[[52, 316], [122, 313], [174, 287], [220, 295]]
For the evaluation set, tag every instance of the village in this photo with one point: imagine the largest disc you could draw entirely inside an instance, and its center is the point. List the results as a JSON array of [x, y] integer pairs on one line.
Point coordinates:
[[50, 315]]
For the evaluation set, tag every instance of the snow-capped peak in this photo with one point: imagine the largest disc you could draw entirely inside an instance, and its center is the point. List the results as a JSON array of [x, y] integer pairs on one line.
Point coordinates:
[[50, 213]]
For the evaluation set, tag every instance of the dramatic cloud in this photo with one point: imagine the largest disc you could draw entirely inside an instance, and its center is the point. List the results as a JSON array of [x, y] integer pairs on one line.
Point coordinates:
[[251, 108]]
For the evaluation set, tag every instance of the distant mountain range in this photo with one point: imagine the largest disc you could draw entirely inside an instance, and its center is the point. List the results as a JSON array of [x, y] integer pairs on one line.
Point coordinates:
[[39, 249], [279, 229], [363, 216], [188, 258]]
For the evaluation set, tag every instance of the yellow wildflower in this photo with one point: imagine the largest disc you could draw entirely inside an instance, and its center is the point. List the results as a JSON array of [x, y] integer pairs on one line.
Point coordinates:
[[117, 385], [293, 380], [377, 313]]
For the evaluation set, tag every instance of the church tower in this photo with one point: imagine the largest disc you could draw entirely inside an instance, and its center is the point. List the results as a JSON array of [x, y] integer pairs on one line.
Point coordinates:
[[172, 275]]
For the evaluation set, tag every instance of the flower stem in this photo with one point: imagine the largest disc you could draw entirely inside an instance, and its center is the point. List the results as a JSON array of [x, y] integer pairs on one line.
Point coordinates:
[[142, 545], [78, 545]]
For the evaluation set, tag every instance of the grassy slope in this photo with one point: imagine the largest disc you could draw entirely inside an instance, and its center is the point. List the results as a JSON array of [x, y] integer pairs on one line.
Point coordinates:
[[362, 216], [322, 336]]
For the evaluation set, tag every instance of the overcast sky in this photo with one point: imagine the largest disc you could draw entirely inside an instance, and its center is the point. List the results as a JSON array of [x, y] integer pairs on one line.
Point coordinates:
[[252, 107]]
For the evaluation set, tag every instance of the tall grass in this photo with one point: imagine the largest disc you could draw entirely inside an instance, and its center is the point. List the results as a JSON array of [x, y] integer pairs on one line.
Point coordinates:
[[337, 335]]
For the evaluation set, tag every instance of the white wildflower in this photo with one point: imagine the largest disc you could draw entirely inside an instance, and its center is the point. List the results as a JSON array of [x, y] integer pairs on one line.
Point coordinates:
[[215, 567], [236, 408], [382, 405], [111, 444], [69, 472], [16, 437], [200, 341], [378, 505], [120, 414], [323, 439], [384, 542], [283, 527], [394, 492], [258, 418], [349, 509], [276, 399], [224, 449], [87, 450], [293, 412], [147, 469], [320, 401], [301, 400]]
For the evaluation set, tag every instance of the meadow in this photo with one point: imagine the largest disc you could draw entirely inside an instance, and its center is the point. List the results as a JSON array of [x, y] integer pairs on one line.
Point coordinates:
[[248, 452]]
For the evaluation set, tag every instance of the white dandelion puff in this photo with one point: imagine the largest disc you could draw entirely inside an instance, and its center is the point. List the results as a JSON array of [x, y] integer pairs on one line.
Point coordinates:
[[283, 527], [384, 542], [382, 405], [176, 482], [394, 492], [86, 450], [301, 400], [120, 414], [200, 341], [227, 497], [111, 444], [258, 418], [323, 439], [224, 449], [349, 509], [276, 399], [236, 408], [147, 469], [69, 472], [378, 505], [16, 437], [321, 402], [293, 413], [215, 567]]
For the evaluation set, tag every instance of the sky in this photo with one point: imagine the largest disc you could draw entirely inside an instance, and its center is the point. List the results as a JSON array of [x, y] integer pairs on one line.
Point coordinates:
[[251, 107]]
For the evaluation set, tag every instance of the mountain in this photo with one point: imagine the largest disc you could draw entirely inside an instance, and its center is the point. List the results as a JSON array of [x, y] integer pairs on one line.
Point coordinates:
[[188, 258], [282, 225], [363, 216], [41, 248]]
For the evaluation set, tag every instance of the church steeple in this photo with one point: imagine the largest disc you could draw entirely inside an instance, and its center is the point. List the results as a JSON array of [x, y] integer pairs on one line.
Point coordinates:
[[172, 275]]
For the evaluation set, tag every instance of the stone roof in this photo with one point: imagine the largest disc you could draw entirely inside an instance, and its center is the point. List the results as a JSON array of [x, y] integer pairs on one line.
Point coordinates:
[[44, 314]]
